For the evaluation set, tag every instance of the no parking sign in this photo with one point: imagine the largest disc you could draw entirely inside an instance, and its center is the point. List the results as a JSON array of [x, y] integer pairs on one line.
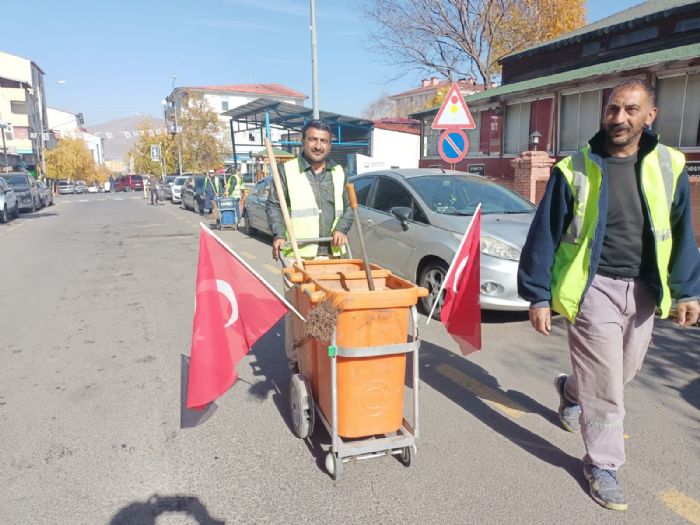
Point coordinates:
[[453, 117]]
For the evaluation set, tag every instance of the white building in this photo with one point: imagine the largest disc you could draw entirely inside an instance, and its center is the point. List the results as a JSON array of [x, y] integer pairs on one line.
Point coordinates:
[[22, 112], [224, 98], [66, 124]]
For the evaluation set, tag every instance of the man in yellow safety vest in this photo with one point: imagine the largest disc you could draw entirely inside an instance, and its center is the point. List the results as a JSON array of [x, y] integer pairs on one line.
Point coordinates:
[[611, 243], [319, 206]]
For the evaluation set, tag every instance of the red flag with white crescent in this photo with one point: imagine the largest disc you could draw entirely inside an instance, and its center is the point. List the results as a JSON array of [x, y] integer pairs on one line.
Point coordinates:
[[461, 312], [234, 308]]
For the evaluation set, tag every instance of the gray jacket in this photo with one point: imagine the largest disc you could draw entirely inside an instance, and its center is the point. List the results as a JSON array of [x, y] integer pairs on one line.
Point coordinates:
[[322, 186]]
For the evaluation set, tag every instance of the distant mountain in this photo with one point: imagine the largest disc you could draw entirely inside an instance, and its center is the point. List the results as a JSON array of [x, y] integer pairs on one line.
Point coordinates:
[[117, 147]]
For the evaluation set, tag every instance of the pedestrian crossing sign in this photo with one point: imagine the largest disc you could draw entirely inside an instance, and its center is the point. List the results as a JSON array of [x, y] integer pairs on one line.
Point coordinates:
[[454, 112]]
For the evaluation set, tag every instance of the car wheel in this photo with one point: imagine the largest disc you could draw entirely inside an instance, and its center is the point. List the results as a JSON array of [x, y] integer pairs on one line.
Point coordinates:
[[196, 208], [432, 277], [247, 226], [3, 216], [15, 213], [33, 205]]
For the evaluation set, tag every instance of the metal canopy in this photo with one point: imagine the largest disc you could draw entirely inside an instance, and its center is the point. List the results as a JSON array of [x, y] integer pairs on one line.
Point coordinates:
[[290, 116]]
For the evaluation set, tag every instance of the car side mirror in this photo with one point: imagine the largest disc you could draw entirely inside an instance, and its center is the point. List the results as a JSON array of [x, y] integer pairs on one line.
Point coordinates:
[[403, 214]]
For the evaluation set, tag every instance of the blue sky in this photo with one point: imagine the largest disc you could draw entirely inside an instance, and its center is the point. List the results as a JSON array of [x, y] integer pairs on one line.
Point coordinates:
[[118, 57]]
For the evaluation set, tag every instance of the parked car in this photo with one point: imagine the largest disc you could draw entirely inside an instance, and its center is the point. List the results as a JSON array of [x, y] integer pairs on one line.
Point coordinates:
[[192, 194], [26, 190], [129, 183], [94, 188], [167, 187], [414, 219], [80, 187], [254, 217], [65, 187], [176, 189], [9, 205], [45, 194]]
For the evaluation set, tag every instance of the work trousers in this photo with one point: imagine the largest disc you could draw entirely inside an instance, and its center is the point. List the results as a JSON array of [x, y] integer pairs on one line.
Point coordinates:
[[608, 343]]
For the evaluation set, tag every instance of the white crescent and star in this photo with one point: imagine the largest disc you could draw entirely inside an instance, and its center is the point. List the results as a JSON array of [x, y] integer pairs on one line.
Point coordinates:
[[225, 289], [458, 273]]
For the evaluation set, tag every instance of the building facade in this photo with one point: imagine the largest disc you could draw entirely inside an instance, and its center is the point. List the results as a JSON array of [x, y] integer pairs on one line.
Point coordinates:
[[23, 113], [558, 90], [419, 98], [66, 124], [225, 98]]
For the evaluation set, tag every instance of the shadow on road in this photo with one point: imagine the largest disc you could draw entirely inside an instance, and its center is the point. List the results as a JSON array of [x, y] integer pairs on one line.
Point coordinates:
[[190, 418], [270, 364], [674, 350], [433, 358], [147, 512]]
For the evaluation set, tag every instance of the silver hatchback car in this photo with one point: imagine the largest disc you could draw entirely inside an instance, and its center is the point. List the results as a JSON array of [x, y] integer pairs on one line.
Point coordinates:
[[413, 221]]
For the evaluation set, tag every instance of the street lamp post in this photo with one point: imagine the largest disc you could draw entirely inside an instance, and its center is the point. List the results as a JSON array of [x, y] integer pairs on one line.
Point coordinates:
[[174, 132], [314, 62]]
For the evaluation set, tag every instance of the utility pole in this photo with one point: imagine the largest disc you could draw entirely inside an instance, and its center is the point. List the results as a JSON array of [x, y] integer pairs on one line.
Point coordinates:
[[4, 146], [314, 62]]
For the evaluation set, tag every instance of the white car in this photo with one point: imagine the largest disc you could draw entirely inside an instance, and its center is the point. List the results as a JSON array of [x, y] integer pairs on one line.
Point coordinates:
[[9, 205], [178, 183], [93, 189]]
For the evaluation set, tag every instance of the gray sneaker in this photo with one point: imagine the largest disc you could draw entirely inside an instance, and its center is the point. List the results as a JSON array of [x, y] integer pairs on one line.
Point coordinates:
[[568, 412], [605, 487]]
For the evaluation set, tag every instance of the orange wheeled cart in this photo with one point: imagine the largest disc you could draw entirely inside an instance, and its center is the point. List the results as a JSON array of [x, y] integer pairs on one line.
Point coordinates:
[[354, 381]]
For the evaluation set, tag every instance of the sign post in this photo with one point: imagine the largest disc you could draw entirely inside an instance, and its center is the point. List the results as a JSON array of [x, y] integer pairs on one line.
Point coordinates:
[[453, 117], [155, 152]]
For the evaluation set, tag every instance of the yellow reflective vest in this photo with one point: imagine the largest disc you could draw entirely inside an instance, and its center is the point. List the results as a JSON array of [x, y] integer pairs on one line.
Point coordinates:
[[660, 171], [234, 192], [303, 209]]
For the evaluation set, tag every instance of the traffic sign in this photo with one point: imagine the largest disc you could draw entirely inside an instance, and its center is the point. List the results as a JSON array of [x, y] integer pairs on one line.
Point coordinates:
[[454, 112], [453, 145], [155, 152]]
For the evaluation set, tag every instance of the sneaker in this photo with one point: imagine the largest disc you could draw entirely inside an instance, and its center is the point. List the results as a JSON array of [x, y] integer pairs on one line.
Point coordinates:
[[568, 412], [605, 487]]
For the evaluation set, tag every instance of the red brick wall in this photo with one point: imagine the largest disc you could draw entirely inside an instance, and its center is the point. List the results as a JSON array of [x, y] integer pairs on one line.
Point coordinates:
[[695, 204]]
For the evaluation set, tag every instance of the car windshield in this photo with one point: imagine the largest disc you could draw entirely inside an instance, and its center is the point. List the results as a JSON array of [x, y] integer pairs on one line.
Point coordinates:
[[199, 183], [169, 178], [17, 181], [179, 181], [457, 195], [64, 183]]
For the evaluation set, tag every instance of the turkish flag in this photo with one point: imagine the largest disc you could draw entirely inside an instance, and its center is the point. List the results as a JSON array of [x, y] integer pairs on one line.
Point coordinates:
[[461, 313], [234, 308]]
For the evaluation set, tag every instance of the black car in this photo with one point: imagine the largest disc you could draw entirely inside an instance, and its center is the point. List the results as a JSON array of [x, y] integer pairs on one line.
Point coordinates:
[[193, 194], [254, 217], [26, 190]]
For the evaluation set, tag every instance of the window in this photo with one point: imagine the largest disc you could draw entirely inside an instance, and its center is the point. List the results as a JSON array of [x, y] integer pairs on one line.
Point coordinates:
[[9, 134], [517, 128], [688, 25], [224, 105], [18, 108], [634, 37], [678, 120], [362, 187], [430, 139], [390, 194], [579, 119], [473, 134]]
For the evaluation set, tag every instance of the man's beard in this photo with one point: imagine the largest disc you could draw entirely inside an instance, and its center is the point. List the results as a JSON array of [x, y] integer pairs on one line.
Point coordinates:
[[624, 140]]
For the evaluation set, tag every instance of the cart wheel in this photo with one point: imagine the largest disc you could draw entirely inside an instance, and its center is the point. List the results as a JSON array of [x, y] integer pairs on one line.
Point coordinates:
[[408, 455], [301, 406], [334, 465]]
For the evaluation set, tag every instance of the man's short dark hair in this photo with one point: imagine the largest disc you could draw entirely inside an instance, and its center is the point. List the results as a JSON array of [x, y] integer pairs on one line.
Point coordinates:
[[637, 82], [316, 124]]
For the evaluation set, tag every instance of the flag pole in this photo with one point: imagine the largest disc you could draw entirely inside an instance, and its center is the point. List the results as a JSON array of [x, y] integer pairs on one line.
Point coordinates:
[[452, 264], [208, 231]]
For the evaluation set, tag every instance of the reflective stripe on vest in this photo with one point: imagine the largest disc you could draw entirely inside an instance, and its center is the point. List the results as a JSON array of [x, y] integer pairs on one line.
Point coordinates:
[[236, 191], [660, 171], [216, 184], [304, 211]]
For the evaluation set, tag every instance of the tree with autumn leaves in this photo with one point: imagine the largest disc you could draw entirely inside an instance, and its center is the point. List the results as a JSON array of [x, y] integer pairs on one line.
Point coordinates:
[[70, 159], [466, 38], [201, 139]]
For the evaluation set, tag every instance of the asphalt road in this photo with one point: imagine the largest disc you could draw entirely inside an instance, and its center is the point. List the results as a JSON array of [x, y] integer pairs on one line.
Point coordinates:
[[95, 326]]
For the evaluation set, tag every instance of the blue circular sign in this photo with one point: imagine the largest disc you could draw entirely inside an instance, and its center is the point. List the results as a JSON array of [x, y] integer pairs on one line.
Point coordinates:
[[453, 145]]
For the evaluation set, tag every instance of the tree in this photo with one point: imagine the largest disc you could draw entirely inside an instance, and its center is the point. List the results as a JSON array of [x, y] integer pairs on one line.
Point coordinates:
[[202, 139], [102, 174], [141, 152], [382, 107], [70, 159], [463, 38]]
